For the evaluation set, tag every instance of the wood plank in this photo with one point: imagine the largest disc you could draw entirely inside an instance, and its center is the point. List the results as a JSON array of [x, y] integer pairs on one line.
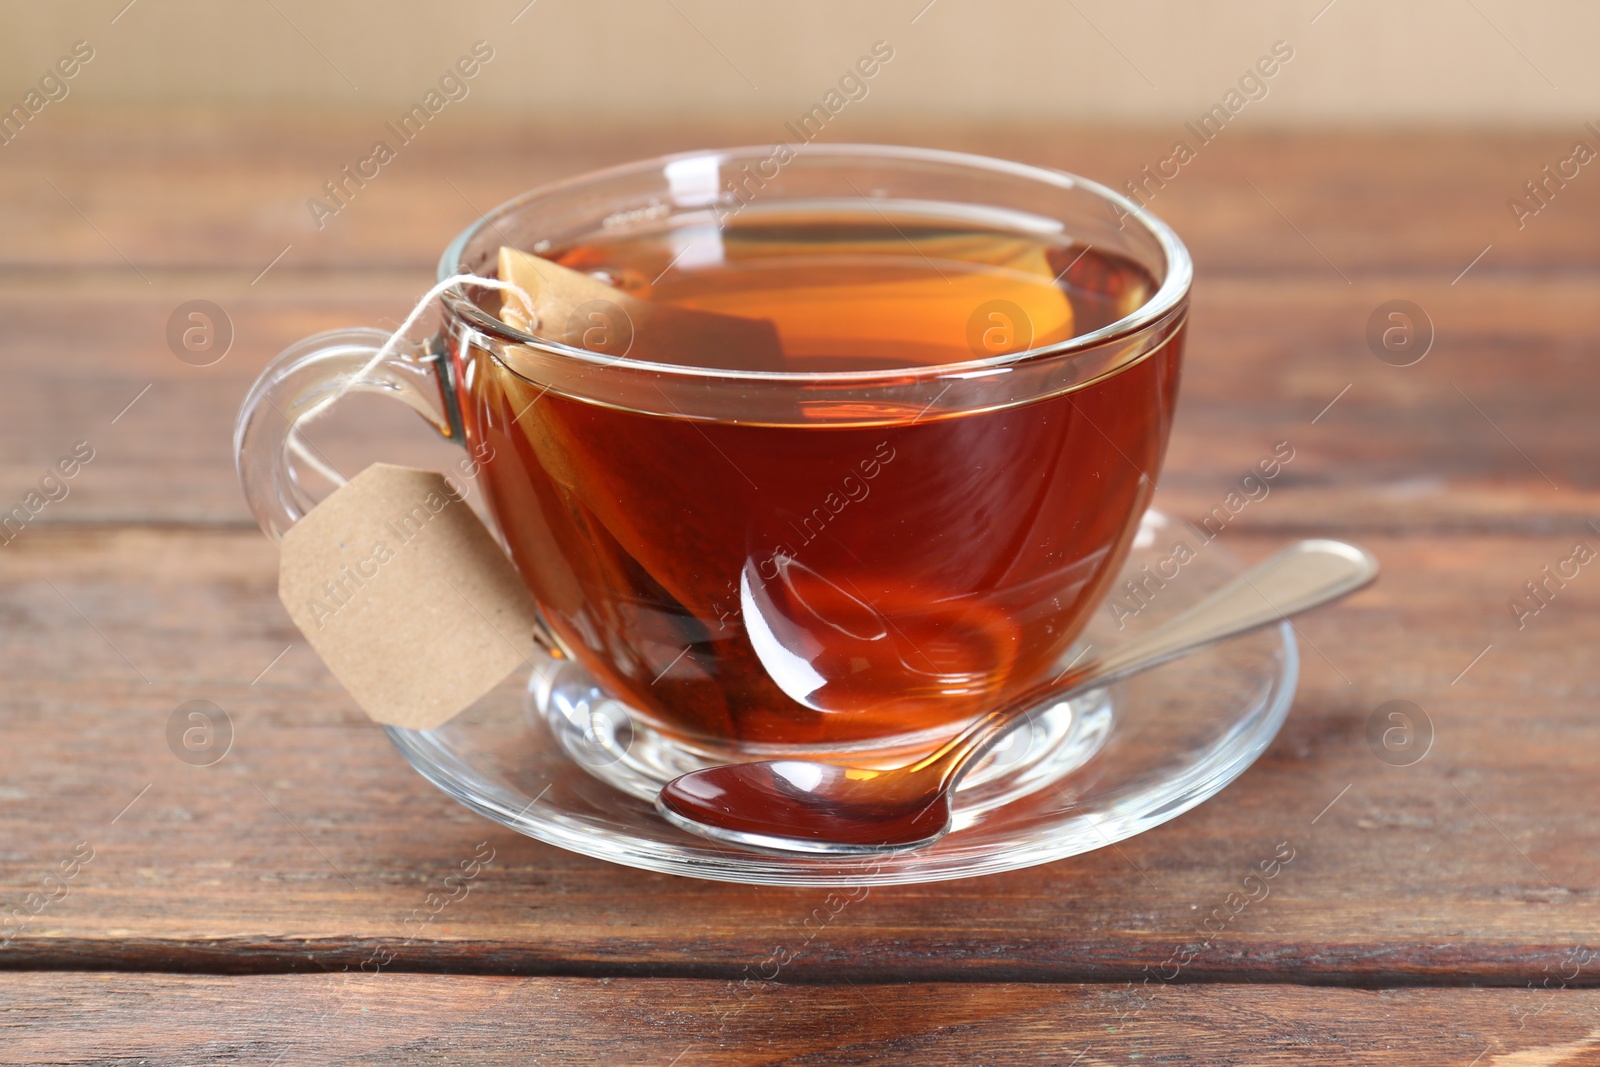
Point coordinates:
[[229, 190], [392, 1018], [1467, 438], [308, 846]]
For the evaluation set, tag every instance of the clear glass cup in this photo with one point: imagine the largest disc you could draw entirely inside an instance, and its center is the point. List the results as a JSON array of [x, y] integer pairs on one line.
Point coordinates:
[[739, 600]]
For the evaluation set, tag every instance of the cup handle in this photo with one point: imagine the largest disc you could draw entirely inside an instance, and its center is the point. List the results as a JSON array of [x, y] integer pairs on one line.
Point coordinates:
[[306, 374]]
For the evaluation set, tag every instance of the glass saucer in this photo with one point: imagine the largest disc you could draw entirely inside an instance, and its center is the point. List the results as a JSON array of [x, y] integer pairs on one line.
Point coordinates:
[[558, 761]]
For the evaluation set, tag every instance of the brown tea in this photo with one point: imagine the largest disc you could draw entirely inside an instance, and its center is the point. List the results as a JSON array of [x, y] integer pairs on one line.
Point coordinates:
[[825, 585]]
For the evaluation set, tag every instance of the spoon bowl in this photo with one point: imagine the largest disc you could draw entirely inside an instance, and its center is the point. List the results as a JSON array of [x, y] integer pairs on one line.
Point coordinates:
[[807, 806]]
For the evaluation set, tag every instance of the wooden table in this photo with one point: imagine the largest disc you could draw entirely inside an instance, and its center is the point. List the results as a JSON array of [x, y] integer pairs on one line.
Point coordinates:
[[1436, 912]]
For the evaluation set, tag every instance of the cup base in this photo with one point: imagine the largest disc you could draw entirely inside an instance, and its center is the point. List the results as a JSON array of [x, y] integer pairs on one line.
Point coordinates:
[[617, 746]]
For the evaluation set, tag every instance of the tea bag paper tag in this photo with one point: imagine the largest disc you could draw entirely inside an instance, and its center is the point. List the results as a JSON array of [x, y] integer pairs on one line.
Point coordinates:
[[406, 596]]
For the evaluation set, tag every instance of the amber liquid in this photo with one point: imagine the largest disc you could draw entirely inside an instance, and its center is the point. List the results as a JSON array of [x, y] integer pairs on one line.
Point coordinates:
[[821, 585]]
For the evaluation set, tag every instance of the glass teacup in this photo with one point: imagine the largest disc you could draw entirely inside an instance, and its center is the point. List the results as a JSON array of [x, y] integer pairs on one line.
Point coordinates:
[[903, 522]]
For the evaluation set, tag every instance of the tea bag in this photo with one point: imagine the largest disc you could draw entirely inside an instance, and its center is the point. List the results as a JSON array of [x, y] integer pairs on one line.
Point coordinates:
[[584, 312], [919, 300]]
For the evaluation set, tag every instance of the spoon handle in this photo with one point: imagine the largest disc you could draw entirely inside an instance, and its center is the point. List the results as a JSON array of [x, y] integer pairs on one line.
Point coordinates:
[[1303, 576]]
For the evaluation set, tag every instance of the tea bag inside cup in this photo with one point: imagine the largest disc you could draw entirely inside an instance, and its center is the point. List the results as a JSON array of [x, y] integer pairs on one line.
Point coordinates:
[[582, 311], [922, 301]]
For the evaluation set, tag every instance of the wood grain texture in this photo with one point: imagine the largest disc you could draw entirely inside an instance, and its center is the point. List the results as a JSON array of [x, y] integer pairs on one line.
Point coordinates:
[[309, 845], [1488, 432], [312, 841], [227, 191], [383, 1019]]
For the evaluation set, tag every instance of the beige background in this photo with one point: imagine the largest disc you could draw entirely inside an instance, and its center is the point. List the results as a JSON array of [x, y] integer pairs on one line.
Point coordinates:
[[1502, 62]]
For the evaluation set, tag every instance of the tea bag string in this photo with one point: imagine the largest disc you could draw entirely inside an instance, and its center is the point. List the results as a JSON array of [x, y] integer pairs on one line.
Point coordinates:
[[303, 451]]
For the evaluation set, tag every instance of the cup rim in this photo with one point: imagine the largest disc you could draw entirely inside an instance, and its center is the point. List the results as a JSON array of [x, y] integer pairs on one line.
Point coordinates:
[[1171, 293]]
